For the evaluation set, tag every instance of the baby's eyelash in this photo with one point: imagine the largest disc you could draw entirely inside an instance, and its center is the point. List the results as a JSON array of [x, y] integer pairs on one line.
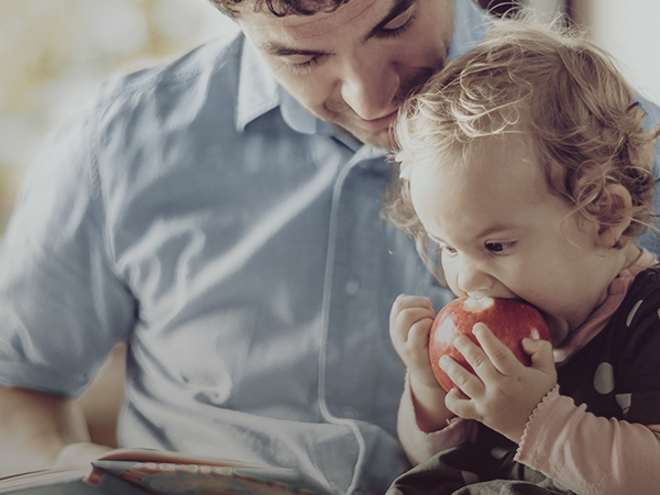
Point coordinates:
[[498, 247]]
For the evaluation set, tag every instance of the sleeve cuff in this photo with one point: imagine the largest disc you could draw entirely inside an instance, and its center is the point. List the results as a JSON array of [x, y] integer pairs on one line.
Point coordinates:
[[418, 444]]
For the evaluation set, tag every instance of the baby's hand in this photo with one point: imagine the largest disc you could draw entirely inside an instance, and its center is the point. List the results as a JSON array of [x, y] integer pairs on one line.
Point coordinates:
[[503, 393], [411, 318], [410, 324]]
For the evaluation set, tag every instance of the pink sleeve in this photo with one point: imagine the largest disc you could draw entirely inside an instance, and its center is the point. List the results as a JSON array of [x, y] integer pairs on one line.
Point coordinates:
[[588, 454], [420, 445]]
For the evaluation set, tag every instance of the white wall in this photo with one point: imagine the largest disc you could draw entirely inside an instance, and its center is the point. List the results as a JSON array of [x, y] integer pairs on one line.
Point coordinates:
[[630, 31]]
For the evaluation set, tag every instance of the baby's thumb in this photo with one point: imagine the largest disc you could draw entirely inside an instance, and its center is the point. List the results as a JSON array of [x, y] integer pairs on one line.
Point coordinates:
[[540, 352]]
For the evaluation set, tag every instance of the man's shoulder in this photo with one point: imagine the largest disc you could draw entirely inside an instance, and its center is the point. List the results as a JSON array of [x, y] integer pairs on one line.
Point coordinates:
[[652, 112], [216, 62], [160, 119]]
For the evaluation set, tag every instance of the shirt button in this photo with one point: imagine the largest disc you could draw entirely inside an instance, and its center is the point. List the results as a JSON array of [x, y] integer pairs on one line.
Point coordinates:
[[353, 286]]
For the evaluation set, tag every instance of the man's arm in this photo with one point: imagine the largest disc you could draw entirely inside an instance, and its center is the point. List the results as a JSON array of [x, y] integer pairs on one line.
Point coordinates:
[[41, 430]]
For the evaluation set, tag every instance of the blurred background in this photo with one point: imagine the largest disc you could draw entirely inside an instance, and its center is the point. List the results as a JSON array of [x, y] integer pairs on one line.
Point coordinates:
[[54, 54]]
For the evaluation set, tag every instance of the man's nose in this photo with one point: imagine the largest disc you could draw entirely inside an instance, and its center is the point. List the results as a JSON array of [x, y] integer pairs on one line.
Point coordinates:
[[369, 86]]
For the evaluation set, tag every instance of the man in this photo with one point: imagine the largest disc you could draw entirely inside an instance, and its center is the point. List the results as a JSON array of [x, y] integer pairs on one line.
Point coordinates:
[[221, 215]]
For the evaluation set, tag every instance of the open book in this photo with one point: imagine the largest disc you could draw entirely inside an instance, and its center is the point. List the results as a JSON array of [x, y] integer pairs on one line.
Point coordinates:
[[140, 471]]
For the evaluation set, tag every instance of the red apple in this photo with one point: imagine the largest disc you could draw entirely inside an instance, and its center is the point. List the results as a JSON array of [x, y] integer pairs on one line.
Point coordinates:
[[510, 321]]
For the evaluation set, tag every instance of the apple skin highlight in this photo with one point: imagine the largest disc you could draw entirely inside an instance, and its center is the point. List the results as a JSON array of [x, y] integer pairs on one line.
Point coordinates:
[[510, 320]]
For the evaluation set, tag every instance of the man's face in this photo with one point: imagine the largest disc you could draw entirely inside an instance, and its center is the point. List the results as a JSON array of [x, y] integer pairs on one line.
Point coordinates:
[[354, 67]]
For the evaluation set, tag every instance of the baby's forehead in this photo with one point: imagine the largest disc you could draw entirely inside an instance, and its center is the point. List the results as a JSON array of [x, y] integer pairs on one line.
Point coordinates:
[[514, 157], [499, 150]]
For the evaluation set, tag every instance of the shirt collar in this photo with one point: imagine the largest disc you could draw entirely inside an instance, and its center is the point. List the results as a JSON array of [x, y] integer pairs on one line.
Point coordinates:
[[258, 92], [470, 25]]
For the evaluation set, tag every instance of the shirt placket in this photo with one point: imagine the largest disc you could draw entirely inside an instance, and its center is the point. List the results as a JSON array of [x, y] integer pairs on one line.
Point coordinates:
[[348, 286]]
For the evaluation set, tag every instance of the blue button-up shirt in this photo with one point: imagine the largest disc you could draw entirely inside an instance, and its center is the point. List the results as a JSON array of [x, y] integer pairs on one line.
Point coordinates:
[[237, 245]]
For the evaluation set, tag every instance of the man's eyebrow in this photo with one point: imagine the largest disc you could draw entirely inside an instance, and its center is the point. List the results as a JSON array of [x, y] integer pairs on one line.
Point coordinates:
[[278, 50], [399, 7]]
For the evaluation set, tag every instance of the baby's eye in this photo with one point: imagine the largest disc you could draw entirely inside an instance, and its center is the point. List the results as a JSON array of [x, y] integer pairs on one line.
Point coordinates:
[[498, 247]]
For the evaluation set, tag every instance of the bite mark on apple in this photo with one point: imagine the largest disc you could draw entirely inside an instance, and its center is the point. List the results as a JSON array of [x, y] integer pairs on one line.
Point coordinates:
[[476, 304]]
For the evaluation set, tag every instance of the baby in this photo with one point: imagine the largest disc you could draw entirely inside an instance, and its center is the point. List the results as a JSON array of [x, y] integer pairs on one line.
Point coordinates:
[[526, 165]]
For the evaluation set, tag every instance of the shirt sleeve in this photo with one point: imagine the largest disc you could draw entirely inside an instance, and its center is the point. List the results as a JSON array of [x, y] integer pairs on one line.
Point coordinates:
[[590, 455], [62, 307], [420, 445]]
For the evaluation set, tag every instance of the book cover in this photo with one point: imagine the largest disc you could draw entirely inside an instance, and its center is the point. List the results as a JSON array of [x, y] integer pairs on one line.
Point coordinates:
[[143, 471], [169, 473]]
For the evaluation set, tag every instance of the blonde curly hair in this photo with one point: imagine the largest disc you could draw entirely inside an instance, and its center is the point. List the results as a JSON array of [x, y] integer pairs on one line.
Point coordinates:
[[553, 85]]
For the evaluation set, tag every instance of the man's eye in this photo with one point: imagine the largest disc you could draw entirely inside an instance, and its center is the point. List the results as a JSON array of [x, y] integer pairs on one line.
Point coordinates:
[[398, 25], [303, 66], [498, 247]]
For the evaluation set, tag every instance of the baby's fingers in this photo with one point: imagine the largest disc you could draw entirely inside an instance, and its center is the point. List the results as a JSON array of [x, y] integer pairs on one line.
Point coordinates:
[[540, 351], [500, 356], [461, 405], [404, 302], [418, 336], [467, 383], [412, 323]]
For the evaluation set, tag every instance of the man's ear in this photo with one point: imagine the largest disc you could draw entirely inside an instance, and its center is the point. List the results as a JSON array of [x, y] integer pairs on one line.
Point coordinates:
[[613, 212]]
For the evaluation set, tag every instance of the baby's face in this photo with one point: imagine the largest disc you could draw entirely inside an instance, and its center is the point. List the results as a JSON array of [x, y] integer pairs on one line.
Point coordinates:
[[502, 234]]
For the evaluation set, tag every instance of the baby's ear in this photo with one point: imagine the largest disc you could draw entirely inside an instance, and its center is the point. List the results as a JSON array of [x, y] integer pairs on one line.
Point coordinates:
[[613, 212]]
